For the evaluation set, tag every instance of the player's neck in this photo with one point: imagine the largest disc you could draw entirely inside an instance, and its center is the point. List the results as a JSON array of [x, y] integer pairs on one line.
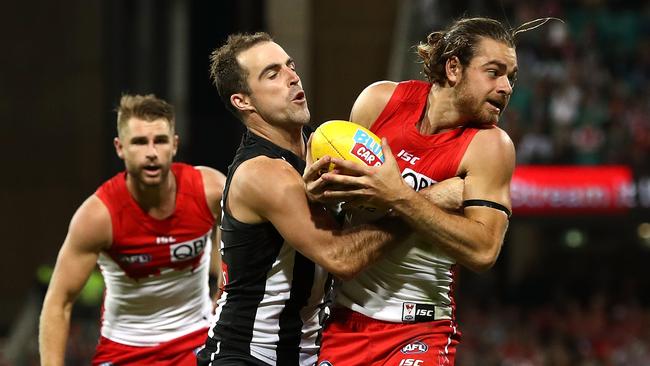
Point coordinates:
[[158, 201], [441, 113], [287, 137]]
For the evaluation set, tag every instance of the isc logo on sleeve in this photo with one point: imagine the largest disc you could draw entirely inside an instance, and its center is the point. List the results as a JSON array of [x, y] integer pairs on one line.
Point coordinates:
[[187, 250]]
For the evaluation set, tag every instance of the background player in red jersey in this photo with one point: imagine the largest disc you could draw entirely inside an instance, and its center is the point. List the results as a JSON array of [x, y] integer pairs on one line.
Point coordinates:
[[404, 303], [149, 229]]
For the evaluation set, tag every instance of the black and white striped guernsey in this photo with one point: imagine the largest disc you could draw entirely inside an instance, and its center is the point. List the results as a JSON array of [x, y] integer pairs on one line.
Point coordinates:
[[270, 307]]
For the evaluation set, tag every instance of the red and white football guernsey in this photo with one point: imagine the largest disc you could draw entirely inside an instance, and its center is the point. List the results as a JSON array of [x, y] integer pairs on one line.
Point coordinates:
[[414, 281], [156, 271]]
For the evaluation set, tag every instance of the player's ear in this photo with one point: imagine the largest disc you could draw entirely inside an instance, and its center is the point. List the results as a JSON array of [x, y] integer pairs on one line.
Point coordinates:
[[175, 145], [453, 70], [242, 102], [119, 148]]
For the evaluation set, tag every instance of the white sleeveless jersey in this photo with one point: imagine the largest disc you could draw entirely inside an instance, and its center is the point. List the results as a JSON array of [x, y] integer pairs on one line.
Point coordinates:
[[411, 282], [155, 309]]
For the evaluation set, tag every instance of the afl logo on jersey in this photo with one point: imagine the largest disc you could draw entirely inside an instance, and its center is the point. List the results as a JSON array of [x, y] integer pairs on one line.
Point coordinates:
[[414, 348], [325, 363], [187, 250]]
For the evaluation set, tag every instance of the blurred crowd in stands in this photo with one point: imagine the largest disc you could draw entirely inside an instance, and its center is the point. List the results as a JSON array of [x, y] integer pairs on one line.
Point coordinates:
[[600, 331], [582, 95]]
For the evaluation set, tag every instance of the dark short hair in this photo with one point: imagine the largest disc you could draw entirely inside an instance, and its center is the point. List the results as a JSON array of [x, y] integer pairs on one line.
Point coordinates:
[[226, 73], [461, 40]]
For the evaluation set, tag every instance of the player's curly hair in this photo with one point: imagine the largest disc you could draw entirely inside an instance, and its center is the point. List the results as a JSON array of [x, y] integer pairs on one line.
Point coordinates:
[[461, 40], [226, 73], [146, 107]]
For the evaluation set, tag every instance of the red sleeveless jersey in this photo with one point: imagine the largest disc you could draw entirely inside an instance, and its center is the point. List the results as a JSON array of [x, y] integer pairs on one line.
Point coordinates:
[[142, 245], [423, 159], [412, 282]]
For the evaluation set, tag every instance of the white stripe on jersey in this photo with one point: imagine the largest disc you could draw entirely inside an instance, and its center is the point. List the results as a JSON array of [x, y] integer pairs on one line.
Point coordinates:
[[267, 326], [267, 319]]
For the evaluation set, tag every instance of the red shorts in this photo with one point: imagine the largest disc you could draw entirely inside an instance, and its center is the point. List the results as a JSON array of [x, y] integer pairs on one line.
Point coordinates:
[[351, 339], [177, 352]]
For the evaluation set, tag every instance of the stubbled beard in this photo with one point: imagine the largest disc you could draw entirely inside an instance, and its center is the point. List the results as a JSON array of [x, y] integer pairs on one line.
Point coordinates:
[[305, 117], [470, 107], [140, 176], [302, 115], [290, 114]]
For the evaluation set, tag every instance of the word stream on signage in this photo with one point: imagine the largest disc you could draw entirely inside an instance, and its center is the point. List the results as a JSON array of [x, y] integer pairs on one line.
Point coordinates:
[[568, 190]]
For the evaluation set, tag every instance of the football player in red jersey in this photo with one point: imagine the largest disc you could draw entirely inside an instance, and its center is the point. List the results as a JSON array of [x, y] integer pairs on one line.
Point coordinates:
[[151, 230], [445, 127]]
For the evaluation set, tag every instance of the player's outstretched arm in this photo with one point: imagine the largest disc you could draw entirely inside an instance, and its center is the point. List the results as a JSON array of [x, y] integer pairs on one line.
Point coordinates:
[[89, 233], [308, 227]]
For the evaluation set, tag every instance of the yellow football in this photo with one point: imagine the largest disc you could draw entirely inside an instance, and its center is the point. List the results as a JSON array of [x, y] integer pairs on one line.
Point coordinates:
[[348, 141]]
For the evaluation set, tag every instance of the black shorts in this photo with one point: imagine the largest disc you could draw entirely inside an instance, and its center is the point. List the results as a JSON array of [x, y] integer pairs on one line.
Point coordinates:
[[203, 359]]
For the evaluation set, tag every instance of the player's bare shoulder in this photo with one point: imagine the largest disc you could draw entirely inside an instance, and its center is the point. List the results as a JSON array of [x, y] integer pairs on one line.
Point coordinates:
[[491, 147], [497, 140], [212, 176], [213, 184], [91, 227], [371, 102]]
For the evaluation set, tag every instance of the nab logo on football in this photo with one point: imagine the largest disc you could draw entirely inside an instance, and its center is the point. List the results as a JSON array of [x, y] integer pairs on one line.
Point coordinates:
[[414, 348], [187, 250]]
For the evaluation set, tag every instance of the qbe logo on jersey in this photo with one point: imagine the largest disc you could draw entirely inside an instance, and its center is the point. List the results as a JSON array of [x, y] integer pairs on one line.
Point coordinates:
[[367, 149], [416, 180], [188, 250]]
